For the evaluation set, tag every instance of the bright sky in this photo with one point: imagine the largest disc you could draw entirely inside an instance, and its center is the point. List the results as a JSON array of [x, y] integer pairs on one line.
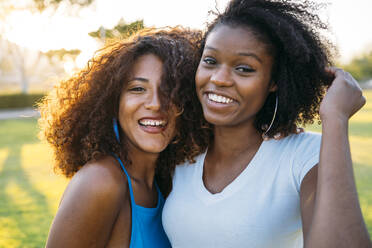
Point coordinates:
[[350, 22]]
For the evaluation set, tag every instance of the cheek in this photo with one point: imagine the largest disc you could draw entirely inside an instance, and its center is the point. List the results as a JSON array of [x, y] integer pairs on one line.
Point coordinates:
[[260, 93], [129, 103], [127, 110], [259, 84], [200, 77], [123, 115]]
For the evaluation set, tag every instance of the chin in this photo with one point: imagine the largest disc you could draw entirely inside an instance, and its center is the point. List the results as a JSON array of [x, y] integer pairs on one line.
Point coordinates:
[[154, 148], [220, 120], [215, 120]]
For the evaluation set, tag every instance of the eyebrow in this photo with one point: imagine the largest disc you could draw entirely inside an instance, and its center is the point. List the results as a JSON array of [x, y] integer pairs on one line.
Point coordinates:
[[145, 80], [247, 54]]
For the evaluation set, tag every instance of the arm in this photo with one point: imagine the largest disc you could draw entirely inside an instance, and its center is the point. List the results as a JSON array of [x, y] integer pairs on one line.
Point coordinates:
[[329, 200], [88, 210]]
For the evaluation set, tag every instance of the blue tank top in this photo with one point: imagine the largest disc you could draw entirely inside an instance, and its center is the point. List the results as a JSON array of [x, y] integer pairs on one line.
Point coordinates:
[[147, 227]]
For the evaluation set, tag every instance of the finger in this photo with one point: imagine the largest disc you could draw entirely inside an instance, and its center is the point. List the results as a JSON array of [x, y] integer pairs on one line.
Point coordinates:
[[352, 80], [361, 103]]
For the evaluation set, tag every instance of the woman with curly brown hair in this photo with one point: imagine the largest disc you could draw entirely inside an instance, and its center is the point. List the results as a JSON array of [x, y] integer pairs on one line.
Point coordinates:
[[119, 127], [263, 72]]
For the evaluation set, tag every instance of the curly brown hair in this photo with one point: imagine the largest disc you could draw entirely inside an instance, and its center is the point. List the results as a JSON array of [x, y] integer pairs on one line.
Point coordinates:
[[291, 30], [76, 117]]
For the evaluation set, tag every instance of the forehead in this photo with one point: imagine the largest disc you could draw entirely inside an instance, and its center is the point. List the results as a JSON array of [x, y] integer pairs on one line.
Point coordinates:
[[236, 40], [147, 65]]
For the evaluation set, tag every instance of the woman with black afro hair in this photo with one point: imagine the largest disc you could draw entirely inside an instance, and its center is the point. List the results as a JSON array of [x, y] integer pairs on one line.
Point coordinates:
[[264, 71]]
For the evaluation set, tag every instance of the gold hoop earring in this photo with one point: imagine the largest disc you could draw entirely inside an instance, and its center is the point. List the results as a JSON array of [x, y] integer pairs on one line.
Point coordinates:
[[272, 120]]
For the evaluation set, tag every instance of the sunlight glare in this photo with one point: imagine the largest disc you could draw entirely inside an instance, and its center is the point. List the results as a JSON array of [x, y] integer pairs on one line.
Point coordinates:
[[69, 66], [56, 30]]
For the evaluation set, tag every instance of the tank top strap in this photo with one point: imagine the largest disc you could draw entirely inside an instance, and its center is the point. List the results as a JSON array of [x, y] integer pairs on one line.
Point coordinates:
[[160, 195], [129, 181]]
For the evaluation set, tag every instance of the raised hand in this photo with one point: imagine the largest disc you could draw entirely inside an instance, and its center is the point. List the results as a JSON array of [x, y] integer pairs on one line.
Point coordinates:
[[344, 98]]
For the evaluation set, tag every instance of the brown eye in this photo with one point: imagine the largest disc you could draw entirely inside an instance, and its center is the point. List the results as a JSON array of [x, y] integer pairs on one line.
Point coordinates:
[[244, 69], [209, 60], [137, 89]]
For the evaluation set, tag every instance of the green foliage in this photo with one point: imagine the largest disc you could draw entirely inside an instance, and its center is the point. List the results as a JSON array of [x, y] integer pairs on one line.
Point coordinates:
[[62, 52], [10, 101], [122, 30], [360, 67]]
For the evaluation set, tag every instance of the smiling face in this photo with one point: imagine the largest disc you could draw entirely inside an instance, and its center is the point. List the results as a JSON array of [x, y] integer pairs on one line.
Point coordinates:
[[233, 79], [146, 126]]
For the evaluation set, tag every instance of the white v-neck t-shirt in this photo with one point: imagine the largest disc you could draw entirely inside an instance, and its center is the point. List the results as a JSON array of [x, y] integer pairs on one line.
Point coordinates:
[[260, 208]]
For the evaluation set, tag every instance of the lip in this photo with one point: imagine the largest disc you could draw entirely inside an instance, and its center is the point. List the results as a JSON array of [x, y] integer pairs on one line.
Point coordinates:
[[153, 129]]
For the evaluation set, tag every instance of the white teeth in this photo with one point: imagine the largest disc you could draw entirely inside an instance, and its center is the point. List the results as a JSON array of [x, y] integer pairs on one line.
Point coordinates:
[[219, 98], [154, 123]]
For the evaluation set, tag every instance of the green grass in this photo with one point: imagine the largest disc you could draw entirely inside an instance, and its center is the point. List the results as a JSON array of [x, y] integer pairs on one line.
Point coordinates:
[[30, 191]]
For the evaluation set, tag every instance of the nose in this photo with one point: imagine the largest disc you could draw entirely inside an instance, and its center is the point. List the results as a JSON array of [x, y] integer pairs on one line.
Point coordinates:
[[222, 77], [153, 101]]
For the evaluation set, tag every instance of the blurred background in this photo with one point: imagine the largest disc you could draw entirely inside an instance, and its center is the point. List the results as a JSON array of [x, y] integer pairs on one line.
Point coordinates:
[[44, 41]]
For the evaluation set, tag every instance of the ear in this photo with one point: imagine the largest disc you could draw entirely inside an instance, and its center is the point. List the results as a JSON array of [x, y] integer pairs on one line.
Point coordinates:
[[273, 87]]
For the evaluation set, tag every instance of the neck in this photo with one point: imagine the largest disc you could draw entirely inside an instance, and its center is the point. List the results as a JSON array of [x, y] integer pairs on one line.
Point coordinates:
[[233, 141], [142, 169]]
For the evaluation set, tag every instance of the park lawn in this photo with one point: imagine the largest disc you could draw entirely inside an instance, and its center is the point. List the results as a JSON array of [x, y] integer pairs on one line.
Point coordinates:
[[30, 191]]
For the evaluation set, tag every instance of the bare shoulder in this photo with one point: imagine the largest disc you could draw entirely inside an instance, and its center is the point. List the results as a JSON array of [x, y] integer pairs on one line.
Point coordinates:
[[90, 205], [101, 179], [103, 175]]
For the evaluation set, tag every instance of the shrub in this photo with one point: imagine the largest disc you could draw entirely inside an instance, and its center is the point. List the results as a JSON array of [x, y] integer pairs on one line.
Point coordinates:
[[9, 101]]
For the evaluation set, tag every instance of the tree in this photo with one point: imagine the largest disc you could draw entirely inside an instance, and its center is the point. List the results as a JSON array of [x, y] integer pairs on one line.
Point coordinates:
[[360, 67], [60, 53], [22, 60], [122, 30], [19, 64]]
